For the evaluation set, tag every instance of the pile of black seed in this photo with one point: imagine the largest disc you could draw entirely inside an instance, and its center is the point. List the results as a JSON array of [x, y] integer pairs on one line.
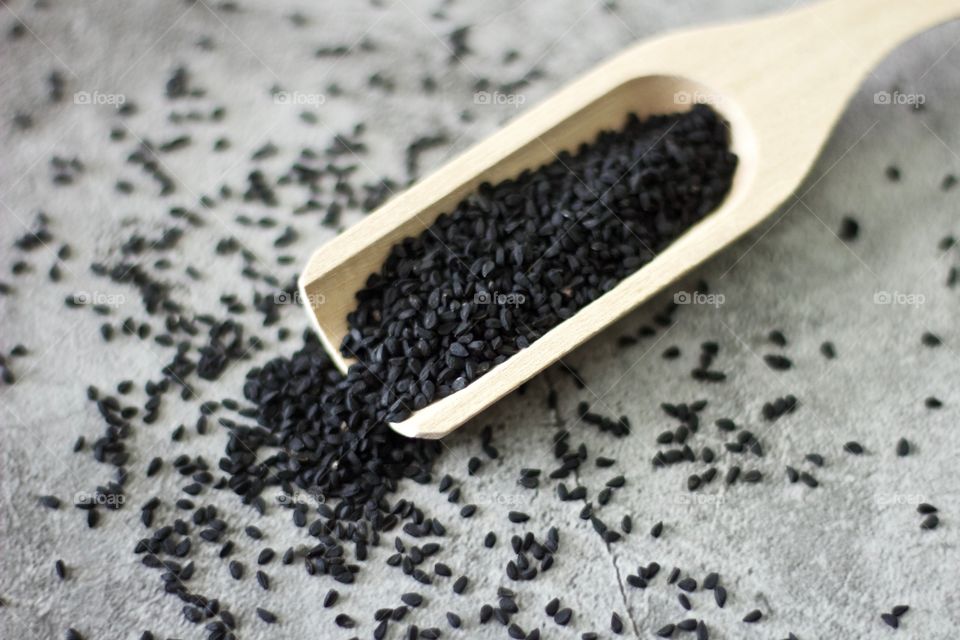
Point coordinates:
[[517, 258], [432, 321]]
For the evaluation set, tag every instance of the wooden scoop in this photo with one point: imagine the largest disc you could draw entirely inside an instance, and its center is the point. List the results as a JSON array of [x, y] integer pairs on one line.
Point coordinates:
[[780, 81]]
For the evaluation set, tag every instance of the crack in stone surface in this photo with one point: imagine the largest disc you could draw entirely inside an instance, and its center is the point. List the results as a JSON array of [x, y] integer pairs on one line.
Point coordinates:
[[623, 593]]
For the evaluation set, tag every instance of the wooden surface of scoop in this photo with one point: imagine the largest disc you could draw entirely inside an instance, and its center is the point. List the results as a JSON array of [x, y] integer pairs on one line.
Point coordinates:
[[780, 81]]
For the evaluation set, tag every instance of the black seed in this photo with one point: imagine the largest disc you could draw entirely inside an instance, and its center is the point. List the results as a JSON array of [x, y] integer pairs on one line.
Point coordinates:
[[563, 617], [460, 585], [702, 632], [711, 581], [517, 517], [666, 631], [900, 609], [412, 599], [687, 625], [720, 595], [776, 337], [903, 447], [777, 362], [849, 228], [552, 607], [656, 530], [266, 616], [890, 619], [51, 502], [263, 580], [616, 624], [853, 447], [344, 621], [815, 458], [809, 480], [828, 350], [930, 340], [930, 522], [687, 584], [753, 616]]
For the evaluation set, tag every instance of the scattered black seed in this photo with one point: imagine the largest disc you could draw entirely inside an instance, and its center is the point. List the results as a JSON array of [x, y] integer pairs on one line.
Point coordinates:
[[687, 584], [903, 447], [267, 616], [552, 607], [853, 447], [720, 595], [563, 617], [753, 616], [711, 581], [51, 502], [344, 621], [930, 340], [412, 599], [849, 229], [930, 522], [616, 624], [809, 480], [890, 619], [777, 362], [263, 580], [776, 337], [828, 350]]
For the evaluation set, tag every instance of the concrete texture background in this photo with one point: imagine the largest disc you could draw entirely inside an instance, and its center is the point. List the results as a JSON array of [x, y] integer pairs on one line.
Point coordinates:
[[820, 563]]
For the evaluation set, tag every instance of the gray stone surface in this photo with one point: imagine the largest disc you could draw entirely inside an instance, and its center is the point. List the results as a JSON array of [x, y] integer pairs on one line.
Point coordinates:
[[822, 563]]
